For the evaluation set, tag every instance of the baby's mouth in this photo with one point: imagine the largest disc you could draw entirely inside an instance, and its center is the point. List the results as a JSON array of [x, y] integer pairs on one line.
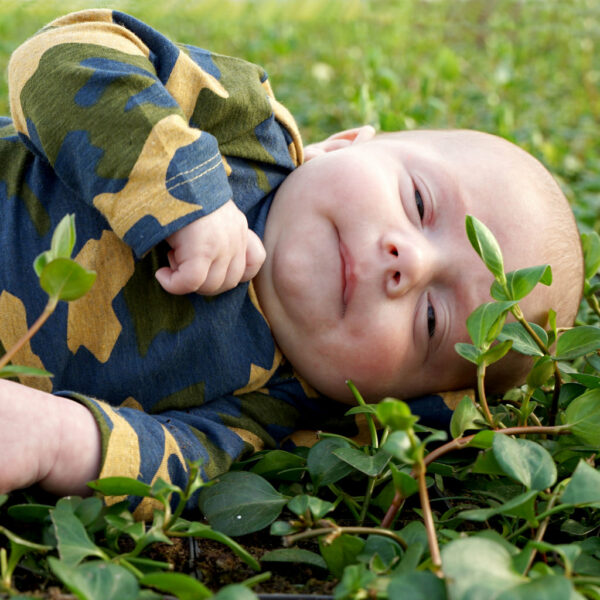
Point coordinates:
[[348, 276]]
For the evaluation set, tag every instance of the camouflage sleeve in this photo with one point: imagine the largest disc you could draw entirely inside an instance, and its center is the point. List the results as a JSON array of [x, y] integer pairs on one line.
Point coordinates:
[[151, 446], [106, 101]]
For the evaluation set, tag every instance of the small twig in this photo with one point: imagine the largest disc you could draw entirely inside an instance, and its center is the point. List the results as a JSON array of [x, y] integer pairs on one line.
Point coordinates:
[[482, 396], [542, 529], [434, 549], [337, 531], [459, 444], [48, 310]]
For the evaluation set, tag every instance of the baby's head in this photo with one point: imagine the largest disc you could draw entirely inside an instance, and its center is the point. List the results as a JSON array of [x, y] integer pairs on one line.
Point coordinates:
[[369, 273]]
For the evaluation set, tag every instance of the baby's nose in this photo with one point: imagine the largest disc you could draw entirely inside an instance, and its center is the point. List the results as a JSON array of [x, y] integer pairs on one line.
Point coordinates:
[[408, 262]]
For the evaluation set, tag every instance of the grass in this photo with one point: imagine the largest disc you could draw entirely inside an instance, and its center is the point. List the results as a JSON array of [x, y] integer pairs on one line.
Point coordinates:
[[528, 70]]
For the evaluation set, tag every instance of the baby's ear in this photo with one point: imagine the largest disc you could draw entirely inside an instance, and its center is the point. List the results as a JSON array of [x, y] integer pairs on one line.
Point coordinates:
[[342, 139]]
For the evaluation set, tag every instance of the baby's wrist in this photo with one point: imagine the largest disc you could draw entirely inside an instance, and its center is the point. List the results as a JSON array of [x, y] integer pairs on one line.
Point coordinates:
[[78, 454]]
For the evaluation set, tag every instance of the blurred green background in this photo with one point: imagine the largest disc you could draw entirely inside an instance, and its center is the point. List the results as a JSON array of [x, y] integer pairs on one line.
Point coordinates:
[[528, 70]]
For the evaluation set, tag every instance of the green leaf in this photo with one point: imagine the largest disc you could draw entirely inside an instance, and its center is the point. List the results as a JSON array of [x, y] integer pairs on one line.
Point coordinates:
[[235, 591], [121, 486], [63, 238], [496, 352], [96, 580], [342, 551], [591, 253], [548, 587], [12, 370], [521, 282], [29, 513], [583, 417], [395, 414], [240, 503], [485, 244], [577, 342], [25, 545], [324, 467], [466, 416], [318, 508], [486, 464], [468, 352], [275, 463], [295, 555], [41, 261], [583, 487], [525, 461], [369, 465], [478, 567], [403, 482], [418, 585], [196, 529], [522, 341], [542, 370], [72, 539], [183, 586], [399, 445], [483, 514], [483, 440], [65, 279], [486, 321]]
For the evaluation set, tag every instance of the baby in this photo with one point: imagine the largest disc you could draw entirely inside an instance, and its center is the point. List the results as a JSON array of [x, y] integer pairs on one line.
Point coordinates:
[[241, 278]]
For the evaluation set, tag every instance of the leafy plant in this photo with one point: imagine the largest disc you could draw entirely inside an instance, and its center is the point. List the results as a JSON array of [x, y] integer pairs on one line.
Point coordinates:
[[532, 471]]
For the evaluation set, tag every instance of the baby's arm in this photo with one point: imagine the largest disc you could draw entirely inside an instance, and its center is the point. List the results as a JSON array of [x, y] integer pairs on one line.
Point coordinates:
[[118, 135], [213, 254], [46, 439]]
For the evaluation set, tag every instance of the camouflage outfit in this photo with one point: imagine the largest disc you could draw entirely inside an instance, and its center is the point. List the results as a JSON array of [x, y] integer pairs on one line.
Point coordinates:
[[138, 137]]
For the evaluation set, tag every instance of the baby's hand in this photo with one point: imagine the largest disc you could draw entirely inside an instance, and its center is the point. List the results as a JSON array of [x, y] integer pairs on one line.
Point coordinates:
[[46, 439], [213, 254]]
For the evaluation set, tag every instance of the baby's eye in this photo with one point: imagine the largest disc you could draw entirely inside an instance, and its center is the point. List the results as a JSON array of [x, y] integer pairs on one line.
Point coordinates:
[[419, 203], [430, 320]]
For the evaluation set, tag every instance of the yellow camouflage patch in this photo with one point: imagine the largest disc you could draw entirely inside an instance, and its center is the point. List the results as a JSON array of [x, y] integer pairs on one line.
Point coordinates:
[[92, 322], [145, 508], [13, 325], [122, 456], [100, 30], [185, 82], [249, 437], [148, 180]]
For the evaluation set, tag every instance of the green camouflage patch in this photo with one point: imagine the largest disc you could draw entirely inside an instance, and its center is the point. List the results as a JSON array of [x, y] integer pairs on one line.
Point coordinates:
[[12, 168], [117, 159], [169, 313], [189, 397]]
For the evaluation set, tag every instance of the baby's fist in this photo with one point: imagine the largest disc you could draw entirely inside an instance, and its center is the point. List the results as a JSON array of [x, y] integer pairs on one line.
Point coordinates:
[[213, 254]]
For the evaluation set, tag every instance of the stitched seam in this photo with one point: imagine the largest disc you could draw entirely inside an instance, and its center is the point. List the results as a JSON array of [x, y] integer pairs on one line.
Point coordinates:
[[192, 169], [197, 176]]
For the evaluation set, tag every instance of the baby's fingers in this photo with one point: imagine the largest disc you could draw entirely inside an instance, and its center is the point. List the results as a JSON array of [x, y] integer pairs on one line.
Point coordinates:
[[181, 280], [255, 256]]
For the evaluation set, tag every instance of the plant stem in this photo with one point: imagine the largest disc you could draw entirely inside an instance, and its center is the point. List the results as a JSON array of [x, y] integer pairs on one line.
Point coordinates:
[[434, 548], [546, 513], [463, 442], [542, 530], [482, 396], [367, 500], [336, 529], [518, 314], [369, 418], [5, 581], [592, 301], [48, 310]]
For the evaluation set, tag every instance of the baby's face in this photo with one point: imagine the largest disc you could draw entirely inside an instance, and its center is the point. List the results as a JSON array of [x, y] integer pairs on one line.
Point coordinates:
[[369, 274]]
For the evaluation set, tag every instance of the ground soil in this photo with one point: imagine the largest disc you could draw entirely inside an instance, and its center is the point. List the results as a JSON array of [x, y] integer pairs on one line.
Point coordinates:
[[216, 566]]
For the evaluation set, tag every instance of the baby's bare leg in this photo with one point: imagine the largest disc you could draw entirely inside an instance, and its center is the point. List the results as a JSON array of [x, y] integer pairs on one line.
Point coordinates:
[[46, 439]]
